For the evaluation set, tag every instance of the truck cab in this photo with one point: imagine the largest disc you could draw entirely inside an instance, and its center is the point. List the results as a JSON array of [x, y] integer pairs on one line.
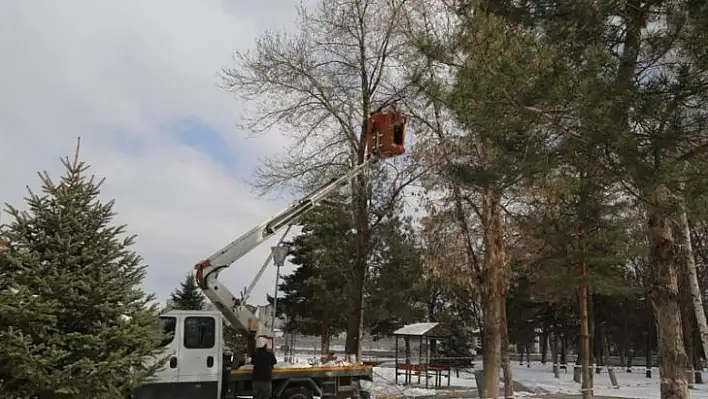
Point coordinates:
[[194, 346], [195, 367]]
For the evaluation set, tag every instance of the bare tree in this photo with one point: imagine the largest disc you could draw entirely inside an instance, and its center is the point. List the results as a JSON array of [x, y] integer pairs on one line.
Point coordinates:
[[320, 84], [692, 276]]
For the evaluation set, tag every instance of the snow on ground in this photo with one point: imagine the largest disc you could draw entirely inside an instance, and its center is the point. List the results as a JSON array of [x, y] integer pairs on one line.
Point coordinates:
[[631, 385], [384, 384], [539, 381], [537, 378]]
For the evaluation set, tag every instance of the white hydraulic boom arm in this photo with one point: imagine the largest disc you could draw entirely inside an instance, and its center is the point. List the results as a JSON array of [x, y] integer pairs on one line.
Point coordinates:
[[207, 271]]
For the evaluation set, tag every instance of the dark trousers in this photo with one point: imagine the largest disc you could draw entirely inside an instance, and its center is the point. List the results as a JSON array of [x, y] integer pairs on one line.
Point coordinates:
[[262, 389]]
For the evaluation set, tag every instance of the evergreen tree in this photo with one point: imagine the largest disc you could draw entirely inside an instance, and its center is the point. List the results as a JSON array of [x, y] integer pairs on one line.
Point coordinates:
[[396, 288], [75, 323], [315, 293], [234, 342], [189, 296], [458, 317]]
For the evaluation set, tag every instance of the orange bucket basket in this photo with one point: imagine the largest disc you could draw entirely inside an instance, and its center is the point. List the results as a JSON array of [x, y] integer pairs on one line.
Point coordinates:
[[385, 134]]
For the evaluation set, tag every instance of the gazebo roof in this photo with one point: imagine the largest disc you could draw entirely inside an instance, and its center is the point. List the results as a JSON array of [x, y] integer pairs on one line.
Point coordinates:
[[428, 330]]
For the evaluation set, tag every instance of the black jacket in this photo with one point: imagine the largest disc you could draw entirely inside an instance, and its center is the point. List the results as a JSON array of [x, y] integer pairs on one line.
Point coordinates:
[[263, 362]]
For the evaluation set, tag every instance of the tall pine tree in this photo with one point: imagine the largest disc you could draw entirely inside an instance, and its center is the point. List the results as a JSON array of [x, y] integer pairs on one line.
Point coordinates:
[[315, 293], [75, 322], [188, 296], [396, 286]]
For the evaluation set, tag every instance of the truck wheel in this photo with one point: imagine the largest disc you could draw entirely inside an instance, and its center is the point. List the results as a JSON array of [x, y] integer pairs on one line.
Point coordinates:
[[365, 394], [299, 392]]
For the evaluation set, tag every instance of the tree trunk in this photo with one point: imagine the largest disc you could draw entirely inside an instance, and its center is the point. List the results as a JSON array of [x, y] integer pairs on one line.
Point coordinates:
[[591, 337], [585, 336], [360, 347], [606, 355], [506, 361], [407, 350], [693, 285], [648, 356], [493, 285], [360, 213], [697, 357], [522, 350], [691, 373], [664, 297], [630, 357], [626, 347], [687, 326], [663, 257], [431, 309], [355, 312], [599, 350], [356, 293], [324, 341], [603, 350], [578, 367], [491, 356], [555, 342], [544, 344], [564, 348], [587, 221]]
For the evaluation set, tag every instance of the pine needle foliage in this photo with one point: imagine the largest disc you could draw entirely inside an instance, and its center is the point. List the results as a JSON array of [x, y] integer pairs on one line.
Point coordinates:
[[74, 322]]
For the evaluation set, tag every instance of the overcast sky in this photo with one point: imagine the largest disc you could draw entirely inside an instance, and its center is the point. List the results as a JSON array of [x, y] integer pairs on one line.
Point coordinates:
[[137, 80]]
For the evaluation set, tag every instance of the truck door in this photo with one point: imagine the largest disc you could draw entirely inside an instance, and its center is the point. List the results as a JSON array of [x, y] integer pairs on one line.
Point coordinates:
[[166, 379], [170, 345], [200, 360]]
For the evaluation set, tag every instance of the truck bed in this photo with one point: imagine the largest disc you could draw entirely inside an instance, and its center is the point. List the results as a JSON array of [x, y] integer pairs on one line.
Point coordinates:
[[280, 373], [326, 381]]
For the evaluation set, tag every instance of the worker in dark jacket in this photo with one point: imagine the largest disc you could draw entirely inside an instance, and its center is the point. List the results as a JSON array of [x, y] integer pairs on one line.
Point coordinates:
[[263, 361]]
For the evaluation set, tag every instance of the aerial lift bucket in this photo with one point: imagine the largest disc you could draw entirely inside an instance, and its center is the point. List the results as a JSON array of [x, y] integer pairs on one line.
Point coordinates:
[[385, 134]]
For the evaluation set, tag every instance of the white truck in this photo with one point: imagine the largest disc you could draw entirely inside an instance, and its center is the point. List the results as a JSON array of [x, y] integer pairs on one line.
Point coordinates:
[[194, 343]]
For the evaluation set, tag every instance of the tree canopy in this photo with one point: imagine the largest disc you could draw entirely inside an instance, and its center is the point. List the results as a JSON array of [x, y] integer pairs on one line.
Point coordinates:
[[188, 296], [75, 304]]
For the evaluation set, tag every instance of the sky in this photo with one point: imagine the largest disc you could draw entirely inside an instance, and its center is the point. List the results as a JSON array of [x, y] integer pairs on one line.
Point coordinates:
[[137, 81]]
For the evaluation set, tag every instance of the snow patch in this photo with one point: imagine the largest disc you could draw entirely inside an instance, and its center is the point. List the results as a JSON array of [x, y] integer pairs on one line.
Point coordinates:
[[337, 363], [304, 363], [292, 366]]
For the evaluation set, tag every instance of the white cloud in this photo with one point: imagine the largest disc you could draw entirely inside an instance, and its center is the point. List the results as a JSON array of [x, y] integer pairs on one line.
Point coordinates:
[[115, 69]]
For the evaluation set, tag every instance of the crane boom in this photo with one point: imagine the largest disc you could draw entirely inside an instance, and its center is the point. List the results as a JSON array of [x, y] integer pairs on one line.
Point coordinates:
[[384, 134], [207, 271]]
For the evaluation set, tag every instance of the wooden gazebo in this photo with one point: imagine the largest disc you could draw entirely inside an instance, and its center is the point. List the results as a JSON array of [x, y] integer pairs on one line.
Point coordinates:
[[425, 334]]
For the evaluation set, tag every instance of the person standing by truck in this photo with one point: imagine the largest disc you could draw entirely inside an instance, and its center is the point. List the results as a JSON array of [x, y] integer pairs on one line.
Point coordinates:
[[263, 361]]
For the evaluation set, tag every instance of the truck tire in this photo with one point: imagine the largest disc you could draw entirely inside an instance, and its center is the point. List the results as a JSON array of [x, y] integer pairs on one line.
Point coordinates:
[[298, 392], [365, 394]]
